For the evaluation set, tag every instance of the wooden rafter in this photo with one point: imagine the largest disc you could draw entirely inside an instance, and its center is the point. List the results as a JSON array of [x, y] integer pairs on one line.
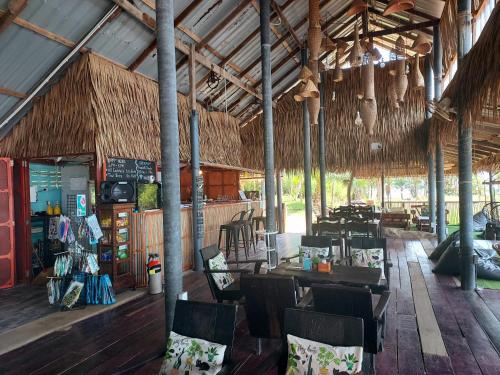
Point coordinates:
[[9, 92], [290, 29], [394, 19], [395, 30], [414, 11], [184, 48], [14, 7]]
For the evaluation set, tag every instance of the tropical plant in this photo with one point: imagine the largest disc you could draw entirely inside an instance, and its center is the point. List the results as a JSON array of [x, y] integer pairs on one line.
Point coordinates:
[[211, 353], [292, 360], [325, 357], [350, 360]]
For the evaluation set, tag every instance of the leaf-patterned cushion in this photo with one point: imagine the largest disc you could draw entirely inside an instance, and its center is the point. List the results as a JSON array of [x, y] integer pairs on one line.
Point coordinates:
[[372, 258], [321, 252], [223, 279], [191, 356], [311, 357]]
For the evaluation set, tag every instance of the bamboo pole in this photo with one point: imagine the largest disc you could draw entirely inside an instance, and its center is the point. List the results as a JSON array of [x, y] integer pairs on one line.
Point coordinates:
[[468, 275], [169, 140], [440, 197], [431, 177]]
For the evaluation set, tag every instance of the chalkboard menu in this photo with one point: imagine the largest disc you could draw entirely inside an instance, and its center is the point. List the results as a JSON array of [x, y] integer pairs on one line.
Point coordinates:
[[118, 169], [199, 214]]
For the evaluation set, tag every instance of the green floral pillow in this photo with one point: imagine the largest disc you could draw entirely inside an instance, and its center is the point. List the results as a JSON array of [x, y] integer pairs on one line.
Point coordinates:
[[372, 258], [190, 356], [223, 279], [314, 358]]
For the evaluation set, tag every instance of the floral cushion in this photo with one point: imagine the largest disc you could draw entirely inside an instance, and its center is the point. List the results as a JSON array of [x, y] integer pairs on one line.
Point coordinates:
[[223, 279], [314, 358], [372, 258], [321, 252], [191, 356]]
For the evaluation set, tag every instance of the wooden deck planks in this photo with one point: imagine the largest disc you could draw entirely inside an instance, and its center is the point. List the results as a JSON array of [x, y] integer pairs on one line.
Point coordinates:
[[430, 336]]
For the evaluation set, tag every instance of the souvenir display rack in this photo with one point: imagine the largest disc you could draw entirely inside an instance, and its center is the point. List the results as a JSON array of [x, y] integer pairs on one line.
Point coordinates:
[[115, 247]]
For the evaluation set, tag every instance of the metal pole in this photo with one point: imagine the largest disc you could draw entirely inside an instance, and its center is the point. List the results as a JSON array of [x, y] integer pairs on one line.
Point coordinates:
[[321, 143], [307, 156], [440, 198], [492, 188], [279, 195], [382, 181], [169, 142], [431, 180], [197, 218], [267, 115], [468, 275]]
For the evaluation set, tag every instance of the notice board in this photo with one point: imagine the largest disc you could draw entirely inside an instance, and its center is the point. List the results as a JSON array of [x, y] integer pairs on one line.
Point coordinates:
[[119, 169]]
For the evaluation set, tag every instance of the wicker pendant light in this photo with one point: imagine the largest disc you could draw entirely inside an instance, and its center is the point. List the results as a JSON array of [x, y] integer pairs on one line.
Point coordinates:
[[307, 90], [356, 56], [391, 91], [337, 73], [327, 45], [313, 105], [421, 45], [305, 74], [401, 81], [395, 6], [400, 46], [314, 36], [357, 6], [417, 79], [368, 108]]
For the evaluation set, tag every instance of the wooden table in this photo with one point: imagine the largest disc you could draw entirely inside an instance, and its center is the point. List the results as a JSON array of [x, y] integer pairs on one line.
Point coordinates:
[[356, 276]]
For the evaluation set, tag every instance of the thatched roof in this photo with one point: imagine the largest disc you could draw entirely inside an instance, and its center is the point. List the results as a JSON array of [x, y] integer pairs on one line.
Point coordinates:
[[99, 107], [347, 147], [475, 89]]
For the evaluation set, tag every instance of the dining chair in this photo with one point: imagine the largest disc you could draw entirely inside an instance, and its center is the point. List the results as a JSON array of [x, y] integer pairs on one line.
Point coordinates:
[[266, 297], [355, 302], [233, 291], [373, 243], [312, 241], [329, 329], [212, 322]]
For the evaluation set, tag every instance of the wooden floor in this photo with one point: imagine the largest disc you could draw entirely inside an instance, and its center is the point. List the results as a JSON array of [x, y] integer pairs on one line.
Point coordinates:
[[433, 327]]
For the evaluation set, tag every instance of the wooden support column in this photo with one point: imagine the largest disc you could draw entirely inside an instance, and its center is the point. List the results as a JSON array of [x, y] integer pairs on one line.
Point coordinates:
[[196, 185], [431, 177], [440, 197], [467, 270], [169, 144], [267, 115], [279, 201]]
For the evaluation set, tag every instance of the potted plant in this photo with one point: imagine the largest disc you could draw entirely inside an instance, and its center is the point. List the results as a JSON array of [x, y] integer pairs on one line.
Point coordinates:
[[324, 359]]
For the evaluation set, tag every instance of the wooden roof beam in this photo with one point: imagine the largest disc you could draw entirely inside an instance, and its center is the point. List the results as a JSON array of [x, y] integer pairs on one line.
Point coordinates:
[[395, 30], [414, 11], [13, 93], [14, 7], [185, 49], [395, 19], [290, 29]]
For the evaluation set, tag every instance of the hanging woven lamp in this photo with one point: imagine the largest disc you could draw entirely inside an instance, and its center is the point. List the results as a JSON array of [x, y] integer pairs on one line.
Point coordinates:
[[401, 80], [327, 45], [391, 92], [305, 74], [307, 90], [357, 6], [368, 108], [337, 73], [421, 45], [314, 16], [400, 46], [356, 56], [395, 6], [314, 36], [313, 105], [417, 79]]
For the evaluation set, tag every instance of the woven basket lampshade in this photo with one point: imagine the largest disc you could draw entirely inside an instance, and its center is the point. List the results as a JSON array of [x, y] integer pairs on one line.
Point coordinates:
[[391, 92], [313, 105], [368, 112], [314, 16], [395, 6], [421, 45], [401, 81], [307, 90], [417, 78], [327, 45], [314, 67], [367, 75], [337, 73], [376, 54], [305, 74], [400, 46], [342, 46], [357, 6], [314, 36], [356, 56]]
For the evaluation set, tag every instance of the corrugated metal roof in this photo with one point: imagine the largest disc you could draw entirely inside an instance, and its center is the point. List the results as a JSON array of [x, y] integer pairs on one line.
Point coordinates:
[[27, 57]]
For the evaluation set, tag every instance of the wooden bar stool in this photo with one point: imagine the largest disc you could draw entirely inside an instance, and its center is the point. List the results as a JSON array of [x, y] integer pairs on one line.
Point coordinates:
[[232, 231], [256, 221]]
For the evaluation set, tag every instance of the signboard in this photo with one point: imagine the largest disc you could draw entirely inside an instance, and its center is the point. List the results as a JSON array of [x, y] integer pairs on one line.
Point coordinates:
[[118, 169], [81, 205], [199, 214]]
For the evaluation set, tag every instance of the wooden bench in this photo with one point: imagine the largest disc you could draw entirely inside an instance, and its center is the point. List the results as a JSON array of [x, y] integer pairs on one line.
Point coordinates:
[[395, 220]]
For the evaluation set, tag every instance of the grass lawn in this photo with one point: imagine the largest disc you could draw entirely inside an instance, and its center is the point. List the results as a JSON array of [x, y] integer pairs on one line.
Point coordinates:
[[454, 228]]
